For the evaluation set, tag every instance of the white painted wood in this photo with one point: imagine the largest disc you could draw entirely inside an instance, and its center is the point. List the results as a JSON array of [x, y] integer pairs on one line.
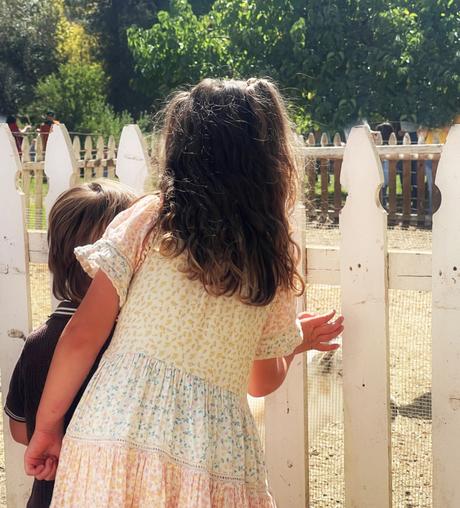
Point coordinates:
[[446, 329], [133, 162], [15, 317], [286, 440], [365, 340], [407, 269], [38, 246], [60, 164]]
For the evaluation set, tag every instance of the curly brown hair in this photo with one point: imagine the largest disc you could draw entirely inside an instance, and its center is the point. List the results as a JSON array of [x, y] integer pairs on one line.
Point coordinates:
[[228, 182]]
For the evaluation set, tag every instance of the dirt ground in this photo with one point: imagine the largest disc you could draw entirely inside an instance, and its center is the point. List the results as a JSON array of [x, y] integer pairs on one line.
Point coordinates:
[[410, 328]]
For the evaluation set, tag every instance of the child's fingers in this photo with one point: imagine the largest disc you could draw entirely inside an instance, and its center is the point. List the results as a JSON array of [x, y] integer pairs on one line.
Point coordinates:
[[317, 319], [328, 327], [52, 474], [326, 337], [47, 469], [33, 469]]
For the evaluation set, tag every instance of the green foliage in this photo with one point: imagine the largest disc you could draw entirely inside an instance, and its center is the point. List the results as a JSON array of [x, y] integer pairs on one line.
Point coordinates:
[[78, 94], [179, 49], [337, 61], [104, 120], [27, 49]]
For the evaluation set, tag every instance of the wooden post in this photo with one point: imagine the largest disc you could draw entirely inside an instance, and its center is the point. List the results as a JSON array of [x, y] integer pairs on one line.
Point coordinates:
[[446, 330], [98, 168], [286, 439], [364, 280], [392, 183], [337, 187], [111, 156], [15, 315], [406, 184], [76, 147], [26, 171], [87, 171], [421, 192], [38, 172], [310, 168], [133, 162], [324, 171]]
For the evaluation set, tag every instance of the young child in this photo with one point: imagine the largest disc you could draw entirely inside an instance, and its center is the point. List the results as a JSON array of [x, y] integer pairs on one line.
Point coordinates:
[[79, 216], [203, 280]]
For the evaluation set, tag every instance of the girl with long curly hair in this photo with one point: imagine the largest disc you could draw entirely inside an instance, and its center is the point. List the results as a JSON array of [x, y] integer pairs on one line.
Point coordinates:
[[203, 280]]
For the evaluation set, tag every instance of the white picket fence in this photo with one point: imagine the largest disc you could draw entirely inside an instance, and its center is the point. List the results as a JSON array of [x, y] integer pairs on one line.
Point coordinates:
[[365, 269]]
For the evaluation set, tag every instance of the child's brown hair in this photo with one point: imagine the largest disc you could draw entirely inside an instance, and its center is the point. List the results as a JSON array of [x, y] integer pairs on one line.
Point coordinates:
[[228, 182], [78, 217]]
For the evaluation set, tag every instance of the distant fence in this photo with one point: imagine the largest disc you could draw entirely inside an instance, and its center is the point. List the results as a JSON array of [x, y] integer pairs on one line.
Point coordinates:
[[410, 171], [409, 194]]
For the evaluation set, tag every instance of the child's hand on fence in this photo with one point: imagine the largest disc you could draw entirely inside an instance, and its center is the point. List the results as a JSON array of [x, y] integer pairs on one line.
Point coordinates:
[[42, 454], [318, 331]]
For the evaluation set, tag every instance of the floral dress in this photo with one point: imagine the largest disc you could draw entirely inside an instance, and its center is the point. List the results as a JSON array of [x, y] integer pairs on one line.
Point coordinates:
[[165, 421]]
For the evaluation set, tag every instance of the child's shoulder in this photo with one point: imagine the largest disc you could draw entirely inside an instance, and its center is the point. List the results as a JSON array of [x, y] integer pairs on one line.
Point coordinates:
[[40, 343]]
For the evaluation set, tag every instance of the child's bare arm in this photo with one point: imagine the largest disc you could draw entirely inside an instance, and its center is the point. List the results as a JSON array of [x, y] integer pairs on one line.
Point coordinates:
[[77, 349], [268, 375], [19, 432], [73, 358]]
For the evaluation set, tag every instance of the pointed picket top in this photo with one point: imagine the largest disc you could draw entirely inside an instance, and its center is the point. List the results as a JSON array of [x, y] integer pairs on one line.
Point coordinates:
[[448, 177], [88, 148], [337, 139], [111, 148], [60, 164], [13, 165], [311, 141], [378, 138], [324, 139], [76, 147], [133, 162], [406, 139], [25, 149], [445, 328], [100, 147], [38, 148], [362, 173], [392, 139]]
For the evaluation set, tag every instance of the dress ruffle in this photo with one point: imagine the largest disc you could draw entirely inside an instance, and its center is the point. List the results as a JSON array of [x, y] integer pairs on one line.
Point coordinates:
[[111, 475], [143, 403]]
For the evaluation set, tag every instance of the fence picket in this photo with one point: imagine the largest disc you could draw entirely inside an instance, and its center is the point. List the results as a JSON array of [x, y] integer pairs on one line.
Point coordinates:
[[15, 316], [364, 279], [111, 155], [285, 419], [324, 172], [392, 182], [88, 171], [60, 164], [406, 184], [445, 329], [337, 165], [100, 148], [133, 162]]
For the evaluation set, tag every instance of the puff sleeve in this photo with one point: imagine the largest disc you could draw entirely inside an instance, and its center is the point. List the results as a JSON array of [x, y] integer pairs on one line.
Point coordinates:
[[280, 334], [120, 250]]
